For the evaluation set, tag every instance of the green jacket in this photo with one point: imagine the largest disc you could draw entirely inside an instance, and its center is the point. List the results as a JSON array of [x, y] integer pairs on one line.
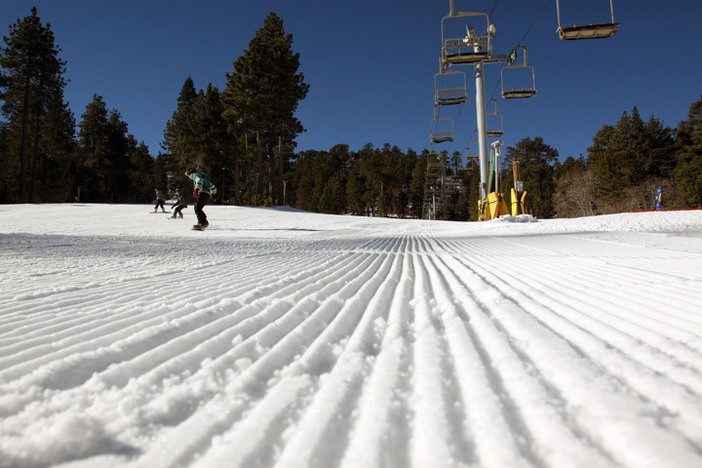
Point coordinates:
[[201, 183]]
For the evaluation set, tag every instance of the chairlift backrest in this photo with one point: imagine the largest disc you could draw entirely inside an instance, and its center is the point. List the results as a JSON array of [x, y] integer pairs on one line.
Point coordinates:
[[587, 31]]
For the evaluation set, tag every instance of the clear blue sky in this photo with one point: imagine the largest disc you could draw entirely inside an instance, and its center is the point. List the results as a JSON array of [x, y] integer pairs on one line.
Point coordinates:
[[370, 64]]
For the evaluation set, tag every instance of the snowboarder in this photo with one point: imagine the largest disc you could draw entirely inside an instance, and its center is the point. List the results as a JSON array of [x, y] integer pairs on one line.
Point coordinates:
[[179, 205], [203, 192], [159, 201]]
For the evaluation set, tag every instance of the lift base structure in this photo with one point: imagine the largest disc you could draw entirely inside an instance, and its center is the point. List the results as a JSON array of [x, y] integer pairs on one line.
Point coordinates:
[[492, 207]]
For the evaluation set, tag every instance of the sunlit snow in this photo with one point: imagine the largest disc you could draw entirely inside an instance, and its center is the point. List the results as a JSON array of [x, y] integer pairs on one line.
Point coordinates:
[[285, 338]]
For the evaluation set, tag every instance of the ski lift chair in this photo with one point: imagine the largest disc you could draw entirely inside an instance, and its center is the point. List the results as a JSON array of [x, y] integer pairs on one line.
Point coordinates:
[[450, 88], [466, 50], [495, 132], [441, 130], [523, 92]]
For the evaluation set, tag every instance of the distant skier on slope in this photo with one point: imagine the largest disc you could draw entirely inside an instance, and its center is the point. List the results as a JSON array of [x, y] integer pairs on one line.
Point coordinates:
[[179, 205], [203, 192], [159, 201]]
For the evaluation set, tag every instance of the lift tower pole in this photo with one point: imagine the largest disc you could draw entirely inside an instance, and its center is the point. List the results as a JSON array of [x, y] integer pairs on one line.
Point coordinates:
[[482, 128], [482, 120]]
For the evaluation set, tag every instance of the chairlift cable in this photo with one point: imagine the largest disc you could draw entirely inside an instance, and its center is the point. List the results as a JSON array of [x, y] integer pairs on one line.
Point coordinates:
[[494, 7], [521, 41]]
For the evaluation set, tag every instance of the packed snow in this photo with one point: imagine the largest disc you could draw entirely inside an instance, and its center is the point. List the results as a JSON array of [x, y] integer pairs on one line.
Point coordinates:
[[284, 338]]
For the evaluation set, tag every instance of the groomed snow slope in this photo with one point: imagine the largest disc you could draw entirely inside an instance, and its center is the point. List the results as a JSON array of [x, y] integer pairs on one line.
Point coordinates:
[[284, 338]]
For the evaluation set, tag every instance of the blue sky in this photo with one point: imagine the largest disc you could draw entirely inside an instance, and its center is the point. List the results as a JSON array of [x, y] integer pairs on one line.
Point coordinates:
[[370, 64]]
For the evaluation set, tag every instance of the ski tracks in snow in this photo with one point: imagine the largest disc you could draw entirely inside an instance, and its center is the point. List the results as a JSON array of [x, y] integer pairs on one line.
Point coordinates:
[[413, 349]]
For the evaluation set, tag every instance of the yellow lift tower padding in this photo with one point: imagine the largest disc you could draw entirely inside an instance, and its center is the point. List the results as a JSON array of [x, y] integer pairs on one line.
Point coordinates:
[[518, 203], [493, 207]]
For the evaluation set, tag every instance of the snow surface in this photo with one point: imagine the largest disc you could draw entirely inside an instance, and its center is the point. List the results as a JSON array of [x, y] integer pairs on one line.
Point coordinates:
[[292, 339]]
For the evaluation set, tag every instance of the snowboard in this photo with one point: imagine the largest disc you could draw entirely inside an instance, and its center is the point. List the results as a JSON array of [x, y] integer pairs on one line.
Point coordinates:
[[162, 212]]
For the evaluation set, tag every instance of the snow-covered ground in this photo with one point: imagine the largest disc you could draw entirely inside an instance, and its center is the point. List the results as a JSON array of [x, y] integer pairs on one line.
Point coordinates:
[[284, 338]]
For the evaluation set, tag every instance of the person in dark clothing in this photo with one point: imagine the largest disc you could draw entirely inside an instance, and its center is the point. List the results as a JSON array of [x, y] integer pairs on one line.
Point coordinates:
[[179, 205], [593, 208], [160, 201], [203, 192]]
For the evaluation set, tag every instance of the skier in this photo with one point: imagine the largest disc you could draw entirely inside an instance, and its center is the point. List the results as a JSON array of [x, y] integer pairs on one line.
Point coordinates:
[[179, 205], [204, 191], [159, 201]]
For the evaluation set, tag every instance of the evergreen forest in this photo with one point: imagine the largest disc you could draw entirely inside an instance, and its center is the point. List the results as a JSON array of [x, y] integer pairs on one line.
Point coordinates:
[[244, 135]]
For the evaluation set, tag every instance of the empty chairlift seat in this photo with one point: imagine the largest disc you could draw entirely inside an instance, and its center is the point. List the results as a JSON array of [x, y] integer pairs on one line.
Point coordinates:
[[494, 122], [441, 130], [518, 80], [450, 88]]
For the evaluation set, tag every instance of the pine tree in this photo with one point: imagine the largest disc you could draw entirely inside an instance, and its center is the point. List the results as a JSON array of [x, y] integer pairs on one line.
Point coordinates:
[[332, 198], [303, 180], [462, 207], [536, 160], [370, 171], [261, 97], [104, 148], [397, 171], [355, 191], [39, 134], [179, 137], [473, 187], [688, 171], [58, 150], [630, 140], [628, 157], [608, 173], [416, 198], [141, 172], [661, 158], [210, 138], [337, 178]]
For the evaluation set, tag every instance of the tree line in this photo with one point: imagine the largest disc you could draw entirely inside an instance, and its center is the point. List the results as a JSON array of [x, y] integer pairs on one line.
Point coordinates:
[[244, 137], [626, 163]]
